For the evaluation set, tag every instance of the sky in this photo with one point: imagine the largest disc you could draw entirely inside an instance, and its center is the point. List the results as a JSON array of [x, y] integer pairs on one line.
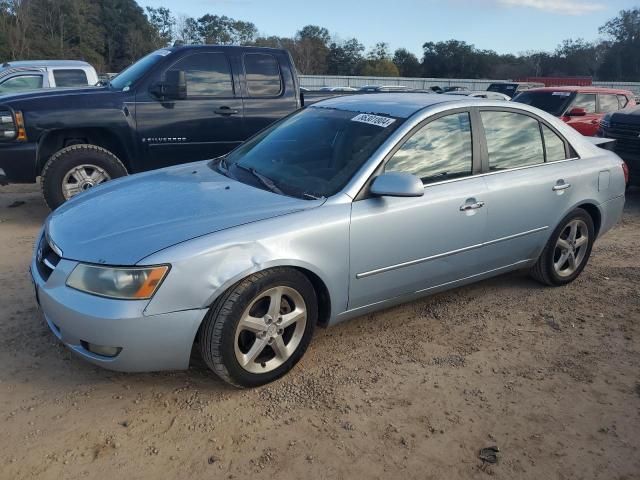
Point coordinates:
[[506, 26]]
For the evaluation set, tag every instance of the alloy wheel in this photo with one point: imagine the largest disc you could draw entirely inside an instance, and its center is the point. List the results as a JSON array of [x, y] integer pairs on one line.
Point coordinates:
[[82, 178], [571, 248], [270, 329]]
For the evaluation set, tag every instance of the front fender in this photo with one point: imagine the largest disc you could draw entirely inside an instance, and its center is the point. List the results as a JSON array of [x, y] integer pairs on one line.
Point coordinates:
[[316, 240]]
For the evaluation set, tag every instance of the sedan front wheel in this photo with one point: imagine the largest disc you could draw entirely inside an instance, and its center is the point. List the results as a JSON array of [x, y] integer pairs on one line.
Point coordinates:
[[260, 328]]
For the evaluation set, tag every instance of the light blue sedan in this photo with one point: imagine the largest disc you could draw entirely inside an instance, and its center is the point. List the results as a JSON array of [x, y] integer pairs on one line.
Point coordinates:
[[348, 206]]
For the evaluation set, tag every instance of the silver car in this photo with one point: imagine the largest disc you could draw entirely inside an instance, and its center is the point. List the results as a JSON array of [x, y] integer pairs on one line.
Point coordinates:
[[348, 206]]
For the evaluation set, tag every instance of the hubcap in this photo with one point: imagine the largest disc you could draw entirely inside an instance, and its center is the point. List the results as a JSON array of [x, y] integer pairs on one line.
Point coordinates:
[[82, 178], [571, 248], [270, 329]]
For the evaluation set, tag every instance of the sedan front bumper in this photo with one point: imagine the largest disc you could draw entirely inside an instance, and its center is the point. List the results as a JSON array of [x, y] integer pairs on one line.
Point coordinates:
[[145, 342]]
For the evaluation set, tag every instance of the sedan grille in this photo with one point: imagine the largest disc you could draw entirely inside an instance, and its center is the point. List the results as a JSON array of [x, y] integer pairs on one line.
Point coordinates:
[[46, 259], [7, 125]]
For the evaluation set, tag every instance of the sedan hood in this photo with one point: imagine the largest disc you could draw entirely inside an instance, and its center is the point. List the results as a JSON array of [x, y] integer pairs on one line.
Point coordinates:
[[126, 220]]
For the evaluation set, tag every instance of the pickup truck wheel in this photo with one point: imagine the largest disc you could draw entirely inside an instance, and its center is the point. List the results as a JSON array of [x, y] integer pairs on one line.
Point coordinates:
[[75, 169], [568, 250], [260, 328]]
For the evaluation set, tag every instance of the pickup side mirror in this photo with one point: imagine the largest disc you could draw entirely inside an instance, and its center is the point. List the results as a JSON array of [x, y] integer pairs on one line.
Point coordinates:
[[173, 87], [397, 184], [576, 112]]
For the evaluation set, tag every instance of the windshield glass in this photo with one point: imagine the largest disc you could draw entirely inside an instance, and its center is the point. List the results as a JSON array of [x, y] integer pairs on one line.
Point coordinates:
[[310, 154], [506, 88], [554, 103], [133, 72]]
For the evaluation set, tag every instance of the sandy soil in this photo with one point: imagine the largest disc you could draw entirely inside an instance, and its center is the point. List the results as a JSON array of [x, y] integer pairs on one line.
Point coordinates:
[[550, 376]]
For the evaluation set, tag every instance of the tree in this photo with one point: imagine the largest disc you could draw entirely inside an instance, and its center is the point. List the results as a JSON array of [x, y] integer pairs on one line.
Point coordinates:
[[163, 23], [313, 32], [222, 30], [621, 60], [344, 58], [310, 50], [407, 63], [186, 30]]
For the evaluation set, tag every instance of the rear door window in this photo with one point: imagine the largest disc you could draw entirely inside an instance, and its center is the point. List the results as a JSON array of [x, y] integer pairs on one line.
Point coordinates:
[[554, 145], [624, 101], [513, 140], [70, 78], [608, 103], [586, 101], [263, 75]]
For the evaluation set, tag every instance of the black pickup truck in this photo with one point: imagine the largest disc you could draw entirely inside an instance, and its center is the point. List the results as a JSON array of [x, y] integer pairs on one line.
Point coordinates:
[[175, 105]]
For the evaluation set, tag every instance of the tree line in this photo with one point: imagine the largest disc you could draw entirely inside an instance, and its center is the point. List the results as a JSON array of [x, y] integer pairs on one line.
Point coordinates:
[[112, 34]]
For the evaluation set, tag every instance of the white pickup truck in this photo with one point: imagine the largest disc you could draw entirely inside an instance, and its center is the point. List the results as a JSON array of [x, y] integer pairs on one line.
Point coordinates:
[[34, 74]]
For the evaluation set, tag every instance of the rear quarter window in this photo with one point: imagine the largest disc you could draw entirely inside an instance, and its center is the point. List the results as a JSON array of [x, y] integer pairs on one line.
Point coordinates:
[[70, 78]]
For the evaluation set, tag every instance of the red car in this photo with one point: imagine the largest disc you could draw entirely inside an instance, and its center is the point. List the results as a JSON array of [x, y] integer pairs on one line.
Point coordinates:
[[580, 107]]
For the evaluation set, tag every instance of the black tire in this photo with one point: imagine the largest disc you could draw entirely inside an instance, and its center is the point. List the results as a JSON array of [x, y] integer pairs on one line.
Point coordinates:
[[544, 271], [64, 160], [218, 331]]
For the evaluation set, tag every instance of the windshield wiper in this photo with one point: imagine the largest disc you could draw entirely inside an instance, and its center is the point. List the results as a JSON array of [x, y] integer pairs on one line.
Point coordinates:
[[266, 181]]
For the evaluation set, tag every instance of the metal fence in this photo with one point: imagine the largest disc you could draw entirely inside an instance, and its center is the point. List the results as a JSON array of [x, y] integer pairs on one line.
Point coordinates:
[[314, 82]]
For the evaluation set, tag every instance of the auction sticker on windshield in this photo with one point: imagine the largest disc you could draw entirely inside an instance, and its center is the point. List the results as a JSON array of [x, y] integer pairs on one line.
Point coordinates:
[[377, 120], [561, 94]]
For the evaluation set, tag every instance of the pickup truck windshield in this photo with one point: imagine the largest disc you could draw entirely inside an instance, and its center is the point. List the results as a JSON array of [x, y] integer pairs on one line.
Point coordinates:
[[310, 154], [133, 72], [554, 103]]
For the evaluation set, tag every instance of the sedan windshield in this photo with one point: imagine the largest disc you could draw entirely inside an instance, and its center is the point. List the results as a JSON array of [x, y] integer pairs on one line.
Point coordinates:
[[310, 154], [554, 103]]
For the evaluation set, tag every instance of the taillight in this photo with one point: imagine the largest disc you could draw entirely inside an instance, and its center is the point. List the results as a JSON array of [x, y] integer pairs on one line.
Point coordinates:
[[625, 170]]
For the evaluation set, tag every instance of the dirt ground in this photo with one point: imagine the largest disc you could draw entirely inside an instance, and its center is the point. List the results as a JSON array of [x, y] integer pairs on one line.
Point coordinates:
[[550, 376]]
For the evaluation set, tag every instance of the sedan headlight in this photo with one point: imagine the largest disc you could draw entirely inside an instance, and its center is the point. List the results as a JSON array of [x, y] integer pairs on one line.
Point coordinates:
[[127, 283]]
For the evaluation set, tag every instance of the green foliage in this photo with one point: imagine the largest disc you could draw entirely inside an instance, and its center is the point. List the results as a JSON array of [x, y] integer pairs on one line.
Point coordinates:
[[407, 63], [112, 34], [345, 58]]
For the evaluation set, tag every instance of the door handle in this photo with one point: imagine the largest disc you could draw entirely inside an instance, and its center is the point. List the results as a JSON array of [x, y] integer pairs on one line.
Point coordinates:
[[471, 206], [561, 186], [225, 111]]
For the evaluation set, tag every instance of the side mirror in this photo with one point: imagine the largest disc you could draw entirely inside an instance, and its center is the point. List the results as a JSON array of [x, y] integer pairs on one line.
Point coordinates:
[[173, 87], [397, 184], [576, 112]]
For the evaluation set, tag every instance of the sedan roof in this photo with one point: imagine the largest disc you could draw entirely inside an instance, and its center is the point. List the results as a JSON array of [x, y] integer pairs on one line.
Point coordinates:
[[401, 105]]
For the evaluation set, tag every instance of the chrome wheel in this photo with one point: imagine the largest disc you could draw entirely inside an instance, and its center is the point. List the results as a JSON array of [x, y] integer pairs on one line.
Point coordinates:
[[571, 248], [270, 329], [82, 178]]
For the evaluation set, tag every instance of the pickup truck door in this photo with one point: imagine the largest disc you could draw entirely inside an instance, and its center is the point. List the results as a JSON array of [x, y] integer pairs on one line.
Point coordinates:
[[268, 89], [207, 124]]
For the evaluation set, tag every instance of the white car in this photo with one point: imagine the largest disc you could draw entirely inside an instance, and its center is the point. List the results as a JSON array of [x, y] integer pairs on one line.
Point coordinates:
[[35, 74], [481, 94]]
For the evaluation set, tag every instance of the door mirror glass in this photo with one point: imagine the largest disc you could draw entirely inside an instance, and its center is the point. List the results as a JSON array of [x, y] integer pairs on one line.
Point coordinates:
[[576, 112], [173, 87], [397, 184]]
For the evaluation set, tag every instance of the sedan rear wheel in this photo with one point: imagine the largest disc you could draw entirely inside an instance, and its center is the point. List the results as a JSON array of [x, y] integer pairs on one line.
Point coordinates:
[[567, 251], [260, 328]]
